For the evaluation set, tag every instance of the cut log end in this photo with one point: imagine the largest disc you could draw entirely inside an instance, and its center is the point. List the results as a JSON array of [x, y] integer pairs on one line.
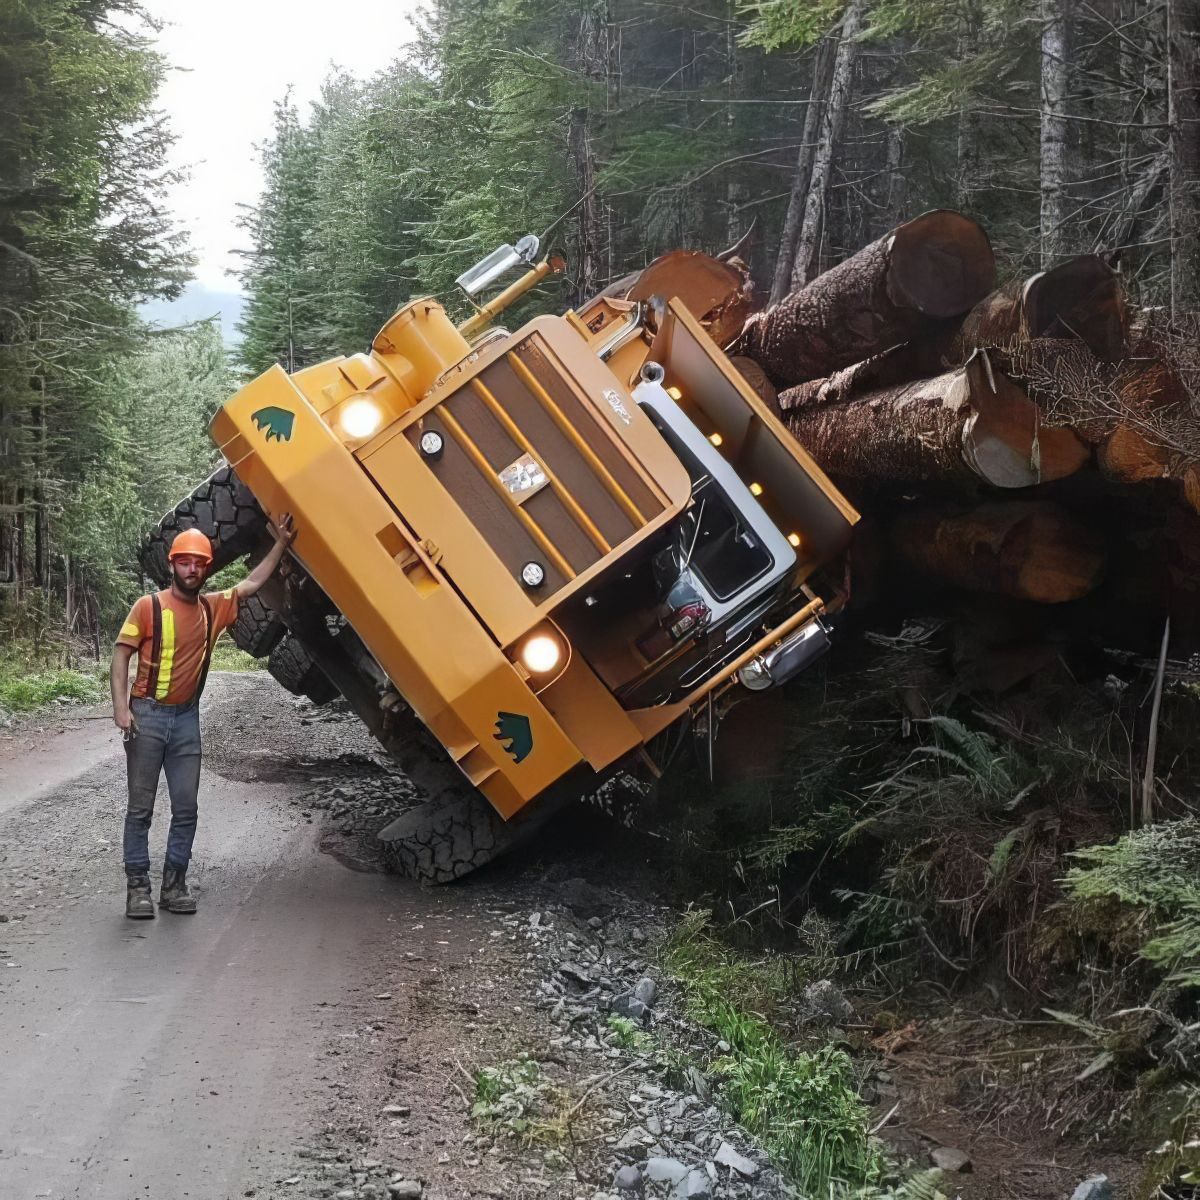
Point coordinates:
[[941, 264], [1082, 299], [1005, 441]]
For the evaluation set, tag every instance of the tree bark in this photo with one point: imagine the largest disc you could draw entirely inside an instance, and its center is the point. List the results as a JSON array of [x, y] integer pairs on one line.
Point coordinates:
[[1056, 17], [1031, 550], [936, 266], [590, 225], [969, 163], [1183, 91], [971, 424], [817, 96], [833, 118]]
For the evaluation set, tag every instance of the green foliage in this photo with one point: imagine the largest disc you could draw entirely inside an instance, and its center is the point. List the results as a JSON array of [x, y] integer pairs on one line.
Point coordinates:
[[803, 1107], [628, 1035], [84, 237], [1146, 888], [24, 690], [227, 657], [515, 1100], [775, 24]]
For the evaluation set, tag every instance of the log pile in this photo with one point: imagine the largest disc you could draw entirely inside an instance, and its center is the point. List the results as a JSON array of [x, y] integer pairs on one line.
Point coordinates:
[[1039, 441]]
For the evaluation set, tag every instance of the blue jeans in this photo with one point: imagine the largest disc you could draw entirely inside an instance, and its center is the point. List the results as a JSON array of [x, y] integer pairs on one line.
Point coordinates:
[[167, 740]]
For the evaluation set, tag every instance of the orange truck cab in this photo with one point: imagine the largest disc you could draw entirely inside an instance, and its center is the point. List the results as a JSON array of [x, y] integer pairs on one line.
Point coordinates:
[[556, 542]]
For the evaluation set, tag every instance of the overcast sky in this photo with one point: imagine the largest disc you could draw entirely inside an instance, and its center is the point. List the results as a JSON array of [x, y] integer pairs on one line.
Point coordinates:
[[237, 58]]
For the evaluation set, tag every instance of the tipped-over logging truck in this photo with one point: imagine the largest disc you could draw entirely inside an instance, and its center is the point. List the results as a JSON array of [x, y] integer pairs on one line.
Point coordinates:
[[528, 560]]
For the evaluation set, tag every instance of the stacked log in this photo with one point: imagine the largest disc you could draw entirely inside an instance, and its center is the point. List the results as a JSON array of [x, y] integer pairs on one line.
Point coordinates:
[[910, 282], [925, 391]]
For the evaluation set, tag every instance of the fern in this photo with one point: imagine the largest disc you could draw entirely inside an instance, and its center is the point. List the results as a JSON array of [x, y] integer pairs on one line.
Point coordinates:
[[1153, 876]]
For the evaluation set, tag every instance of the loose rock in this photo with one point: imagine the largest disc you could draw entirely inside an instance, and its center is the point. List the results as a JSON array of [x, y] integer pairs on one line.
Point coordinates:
[[727, 1156], [628, 1179], [950, 1158], [670, 1169], [1096, 1187], [822, 1001], [646, 990]]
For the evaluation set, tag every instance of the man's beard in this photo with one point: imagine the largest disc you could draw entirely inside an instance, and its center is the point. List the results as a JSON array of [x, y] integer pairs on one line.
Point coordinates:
[[192, 589]]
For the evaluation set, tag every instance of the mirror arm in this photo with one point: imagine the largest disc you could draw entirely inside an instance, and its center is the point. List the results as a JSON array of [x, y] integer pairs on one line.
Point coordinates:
[[484, 317]]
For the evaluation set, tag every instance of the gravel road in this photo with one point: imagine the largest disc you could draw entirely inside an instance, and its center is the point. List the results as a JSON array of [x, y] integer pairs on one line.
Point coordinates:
[[317, 1029], [170, 1058]]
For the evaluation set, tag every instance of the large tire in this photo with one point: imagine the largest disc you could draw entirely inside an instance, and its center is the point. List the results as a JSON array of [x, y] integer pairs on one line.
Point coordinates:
[[258, 628], [292, 665], [223, 509], [442, 840]]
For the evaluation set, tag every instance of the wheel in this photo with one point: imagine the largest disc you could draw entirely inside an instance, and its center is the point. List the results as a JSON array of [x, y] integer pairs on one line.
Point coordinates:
[[442, 840], [292, 665], [258, 628], [223, 508], [455, 831]]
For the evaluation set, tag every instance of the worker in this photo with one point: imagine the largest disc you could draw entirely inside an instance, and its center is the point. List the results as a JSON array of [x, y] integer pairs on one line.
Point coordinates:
[[173, 633]]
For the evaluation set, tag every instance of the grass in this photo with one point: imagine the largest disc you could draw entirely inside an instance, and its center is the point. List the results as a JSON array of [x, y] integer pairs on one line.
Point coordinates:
[[29, 682], [227, 657], [802, 1107]]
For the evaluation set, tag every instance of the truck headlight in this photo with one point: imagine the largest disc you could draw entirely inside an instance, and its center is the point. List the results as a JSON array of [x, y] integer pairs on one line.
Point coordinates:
[[541, 654], [360, 419]]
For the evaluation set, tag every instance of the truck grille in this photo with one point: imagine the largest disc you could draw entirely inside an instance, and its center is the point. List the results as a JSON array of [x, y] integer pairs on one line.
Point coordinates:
[[536, 467]]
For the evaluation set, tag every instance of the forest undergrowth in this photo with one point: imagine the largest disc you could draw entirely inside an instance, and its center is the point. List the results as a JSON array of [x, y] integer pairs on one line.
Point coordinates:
[[974, 872]]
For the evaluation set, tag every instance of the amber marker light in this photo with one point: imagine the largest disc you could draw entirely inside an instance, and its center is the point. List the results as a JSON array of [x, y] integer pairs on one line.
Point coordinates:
[[674, 393], [756, 489], [715, 438], [794, 538]]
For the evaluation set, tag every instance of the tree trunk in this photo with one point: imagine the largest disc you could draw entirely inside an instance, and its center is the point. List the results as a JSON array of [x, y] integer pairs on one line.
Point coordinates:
[[817, 96], [590, 224], [969, 162], [1183, 90], [1056, 16], [936, 266], [737, 189], [832, 119], [970, 424], [1031, 550], [896, 185]]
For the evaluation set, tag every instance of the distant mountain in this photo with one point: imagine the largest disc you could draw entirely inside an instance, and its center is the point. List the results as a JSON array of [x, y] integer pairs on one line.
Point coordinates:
[[196, 304]]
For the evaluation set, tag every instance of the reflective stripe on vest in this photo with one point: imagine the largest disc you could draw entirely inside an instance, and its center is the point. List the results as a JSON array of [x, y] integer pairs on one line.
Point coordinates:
[[167, 659]]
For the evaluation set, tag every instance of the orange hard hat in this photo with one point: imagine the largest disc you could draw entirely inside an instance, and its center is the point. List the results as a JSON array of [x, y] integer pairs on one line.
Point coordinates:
[[191, 541]]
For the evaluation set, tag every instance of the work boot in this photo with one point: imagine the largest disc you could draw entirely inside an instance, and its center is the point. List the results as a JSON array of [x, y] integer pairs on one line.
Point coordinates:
[[175, 896], [139, 897]]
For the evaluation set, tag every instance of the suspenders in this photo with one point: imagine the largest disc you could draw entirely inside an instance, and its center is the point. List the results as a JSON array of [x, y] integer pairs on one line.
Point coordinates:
[[208, 647], [156, 647]]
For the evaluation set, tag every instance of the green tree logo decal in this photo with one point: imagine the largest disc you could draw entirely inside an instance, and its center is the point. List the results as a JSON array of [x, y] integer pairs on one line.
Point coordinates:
[[275, 422], [514, 729]]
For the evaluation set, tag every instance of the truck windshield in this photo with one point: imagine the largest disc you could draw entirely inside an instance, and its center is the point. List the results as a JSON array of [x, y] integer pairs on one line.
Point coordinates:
[[719, 546]]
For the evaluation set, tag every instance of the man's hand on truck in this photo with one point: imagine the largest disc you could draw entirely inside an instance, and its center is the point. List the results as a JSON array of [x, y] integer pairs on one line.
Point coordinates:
[[284, 533]]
